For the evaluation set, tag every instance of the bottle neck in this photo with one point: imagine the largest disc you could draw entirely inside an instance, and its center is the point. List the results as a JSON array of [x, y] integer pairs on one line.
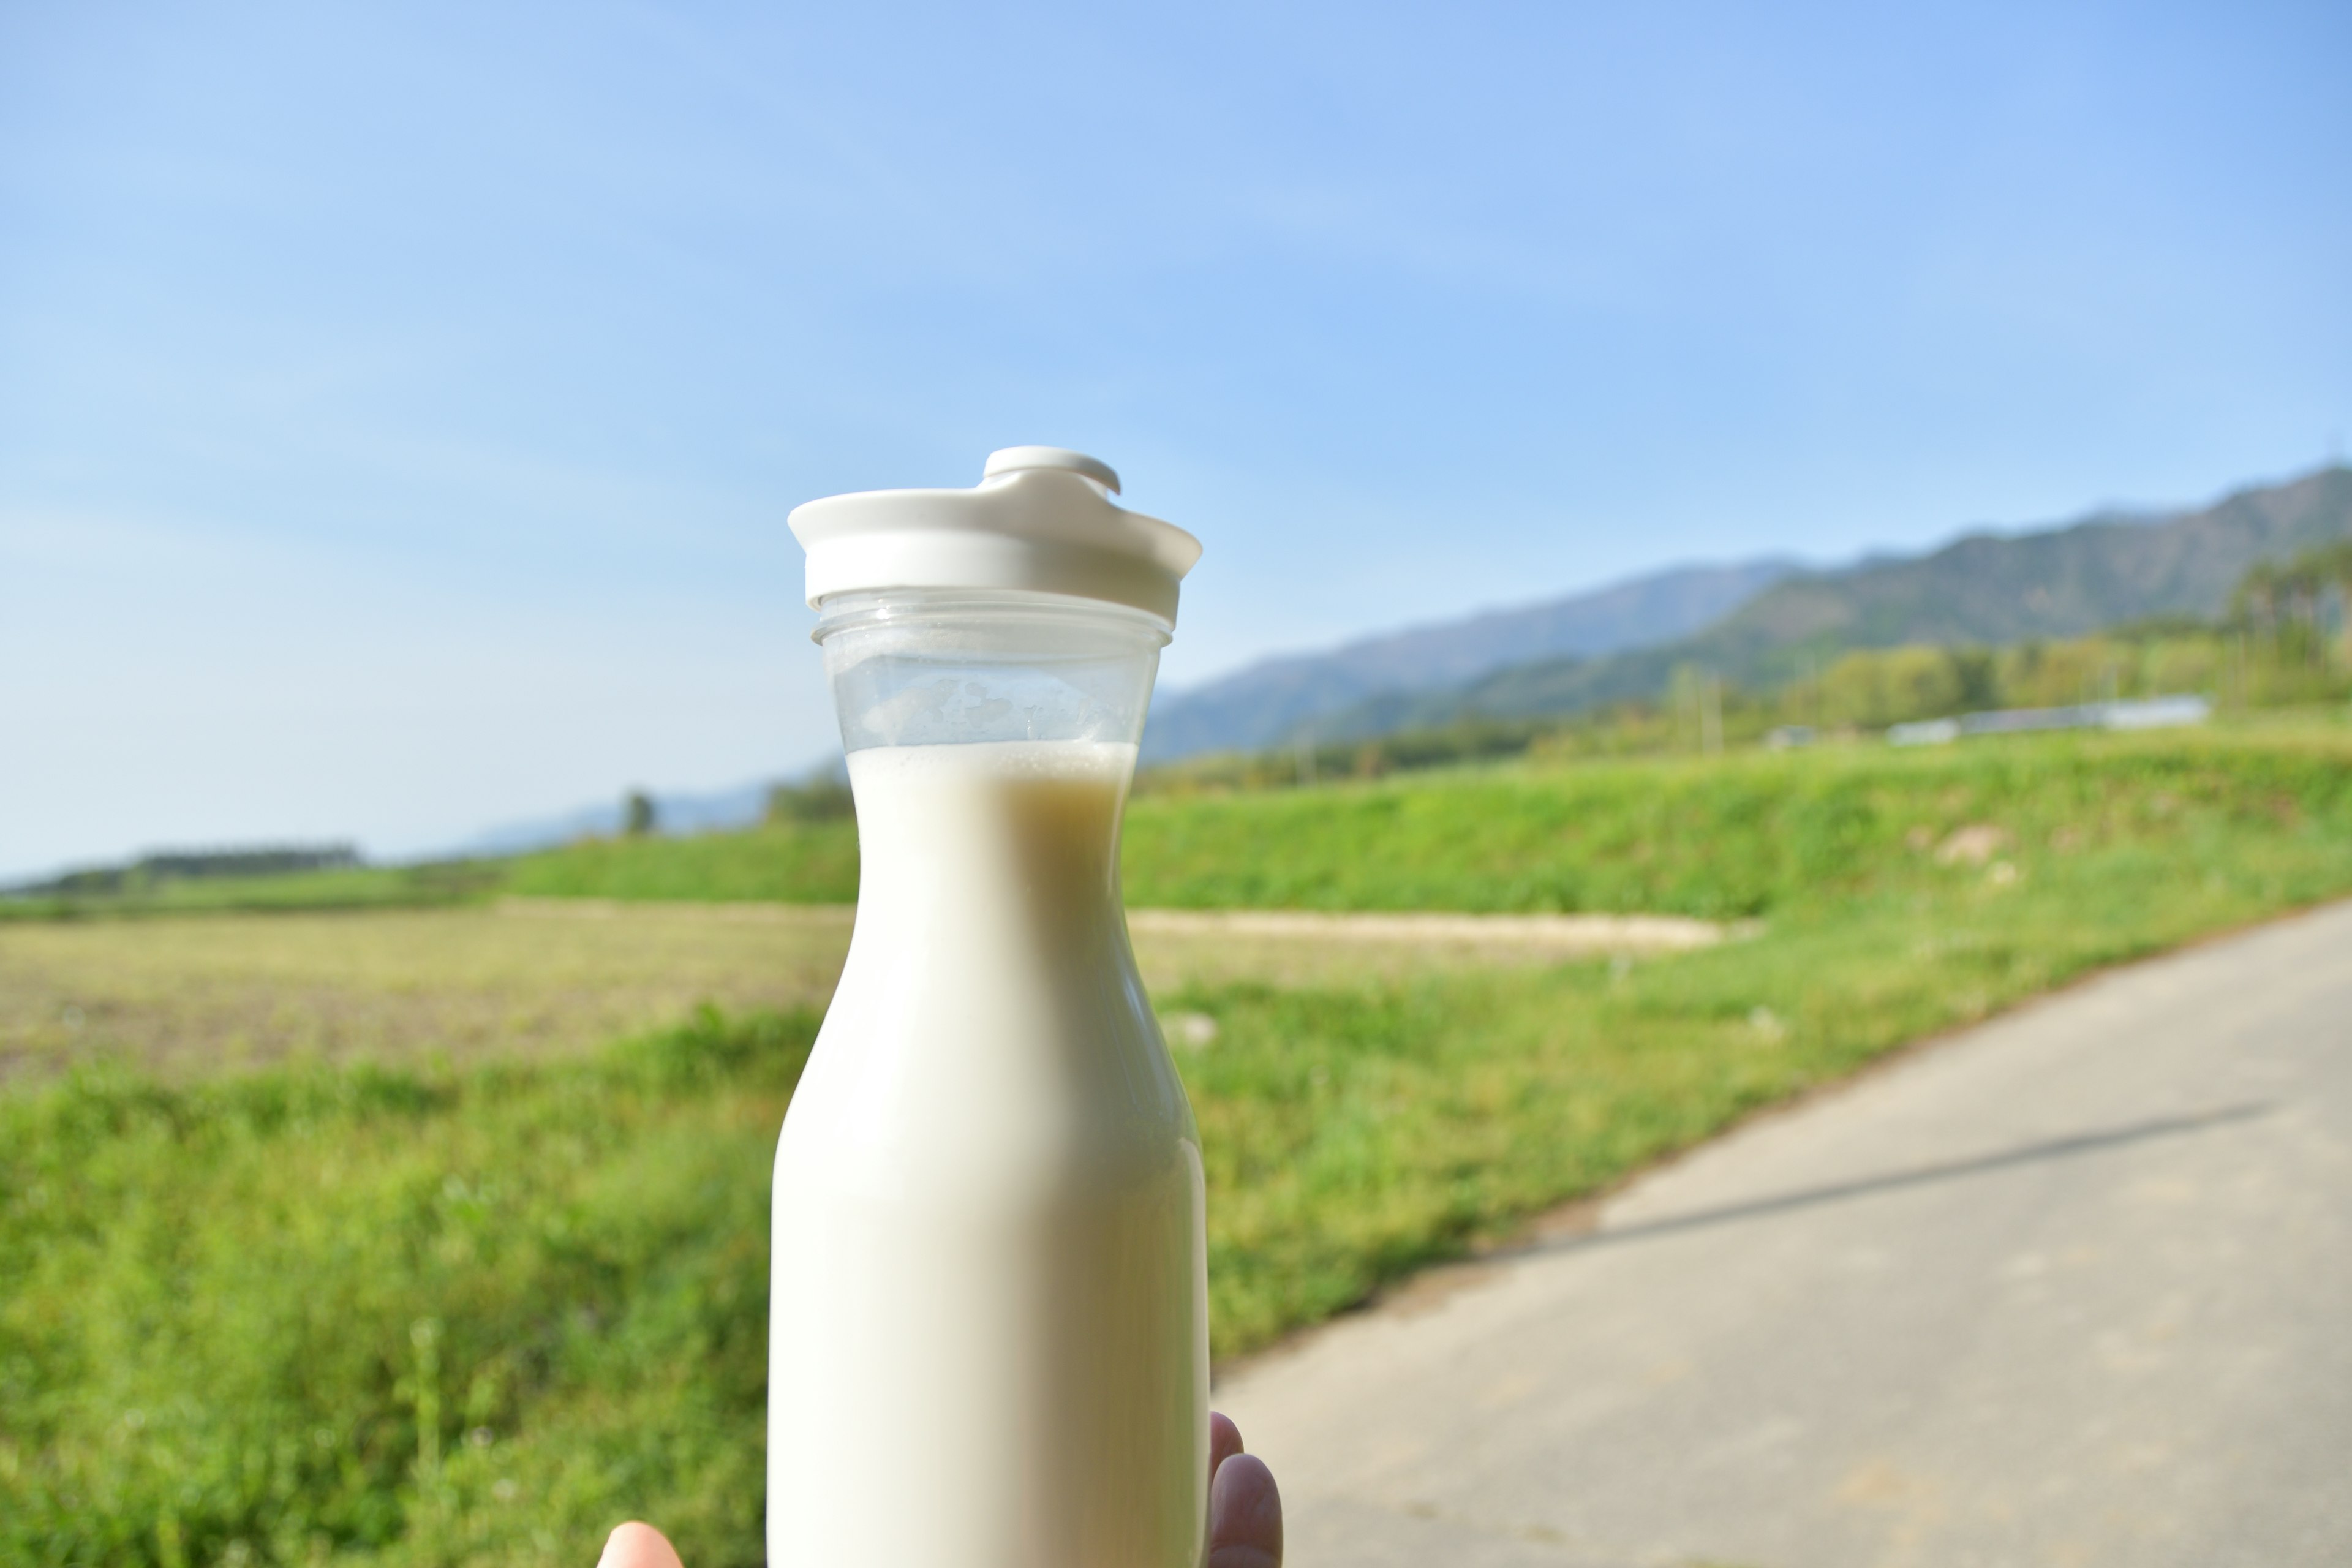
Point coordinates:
[[961, 667]]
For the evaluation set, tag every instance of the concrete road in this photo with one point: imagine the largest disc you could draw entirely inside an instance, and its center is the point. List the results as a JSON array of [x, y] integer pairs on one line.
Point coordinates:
[[2073, 1287]]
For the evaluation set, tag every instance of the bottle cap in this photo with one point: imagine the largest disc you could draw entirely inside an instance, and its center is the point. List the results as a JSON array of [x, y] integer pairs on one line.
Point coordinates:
[[1040, 518]]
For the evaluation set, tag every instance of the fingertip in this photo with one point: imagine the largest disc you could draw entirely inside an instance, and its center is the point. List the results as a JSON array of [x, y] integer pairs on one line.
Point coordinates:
[[1245, 1515], [637, 1546]]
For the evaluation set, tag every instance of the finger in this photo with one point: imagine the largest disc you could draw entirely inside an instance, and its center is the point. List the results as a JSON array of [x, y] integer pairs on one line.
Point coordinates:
[[635, 1545], [1245, 1516], [1225, 1441]]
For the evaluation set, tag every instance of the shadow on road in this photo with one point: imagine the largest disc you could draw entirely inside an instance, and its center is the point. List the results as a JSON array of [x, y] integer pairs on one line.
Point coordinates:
[[1868, 1187]]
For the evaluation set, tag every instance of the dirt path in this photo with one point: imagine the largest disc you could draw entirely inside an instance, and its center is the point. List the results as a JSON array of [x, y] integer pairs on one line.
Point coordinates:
[[2070, 1289]]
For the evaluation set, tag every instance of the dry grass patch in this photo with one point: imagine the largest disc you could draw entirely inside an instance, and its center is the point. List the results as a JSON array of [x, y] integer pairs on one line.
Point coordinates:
[[528, 978], [185, 995]]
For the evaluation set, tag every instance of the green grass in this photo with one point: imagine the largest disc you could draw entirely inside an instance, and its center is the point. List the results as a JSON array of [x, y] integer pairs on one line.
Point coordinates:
[[1743, 836], [420, 1317], [358, 888], [792, 862], [1734, 837], [444, 1316], [1731, 836]]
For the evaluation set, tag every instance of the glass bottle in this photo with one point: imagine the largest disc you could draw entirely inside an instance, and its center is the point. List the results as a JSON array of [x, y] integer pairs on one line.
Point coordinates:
[[989, 1311]]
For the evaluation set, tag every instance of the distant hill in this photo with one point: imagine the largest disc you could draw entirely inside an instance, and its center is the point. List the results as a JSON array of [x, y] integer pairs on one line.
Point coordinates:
[[673, 814], [193, 865], [1984, 589], [1261, 704]]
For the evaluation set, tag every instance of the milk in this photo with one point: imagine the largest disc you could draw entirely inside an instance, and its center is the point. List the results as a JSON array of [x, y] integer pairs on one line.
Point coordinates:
[[989, 1324]]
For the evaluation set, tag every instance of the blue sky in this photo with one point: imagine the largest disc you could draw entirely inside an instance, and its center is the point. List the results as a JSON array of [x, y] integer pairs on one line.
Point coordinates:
[[399, 404]]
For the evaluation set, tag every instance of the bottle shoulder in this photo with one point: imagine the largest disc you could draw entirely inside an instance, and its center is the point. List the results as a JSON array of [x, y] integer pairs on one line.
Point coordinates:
[[1045, 1107]]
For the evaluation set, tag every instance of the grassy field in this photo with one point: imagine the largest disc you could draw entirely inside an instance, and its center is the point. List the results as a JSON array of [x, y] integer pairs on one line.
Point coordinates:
[[184, 997], [1718, 837], [445, 1310], [1730, 836], [355, 888]]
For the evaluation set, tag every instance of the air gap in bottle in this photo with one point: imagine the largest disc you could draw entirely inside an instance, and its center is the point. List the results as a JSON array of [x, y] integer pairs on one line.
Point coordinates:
[[989, 1332]]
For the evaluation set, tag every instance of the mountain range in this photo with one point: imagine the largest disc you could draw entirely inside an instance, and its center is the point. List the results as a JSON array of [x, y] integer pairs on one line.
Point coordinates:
[[1755, 622], [1982, 589], [1270, 700]]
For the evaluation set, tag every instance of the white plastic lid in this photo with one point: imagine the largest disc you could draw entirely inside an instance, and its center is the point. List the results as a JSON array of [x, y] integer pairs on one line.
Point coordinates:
[[1041, 518]]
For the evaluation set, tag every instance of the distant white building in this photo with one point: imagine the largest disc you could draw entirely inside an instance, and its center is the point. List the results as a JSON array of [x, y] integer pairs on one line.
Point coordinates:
[[2143, 713]]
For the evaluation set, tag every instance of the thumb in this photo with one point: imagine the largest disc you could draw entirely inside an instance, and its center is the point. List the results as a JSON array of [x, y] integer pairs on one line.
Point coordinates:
[[635, 1545]]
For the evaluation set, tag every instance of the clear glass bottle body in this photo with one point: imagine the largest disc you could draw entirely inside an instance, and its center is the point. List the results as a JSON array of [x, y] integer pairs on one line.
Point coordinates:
[[989, 1314]]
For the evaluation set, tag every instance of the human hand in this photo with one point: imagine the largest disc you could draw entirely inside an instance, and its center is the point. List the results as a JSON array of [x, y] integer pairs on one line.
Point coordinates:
[[1245, 1514]]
